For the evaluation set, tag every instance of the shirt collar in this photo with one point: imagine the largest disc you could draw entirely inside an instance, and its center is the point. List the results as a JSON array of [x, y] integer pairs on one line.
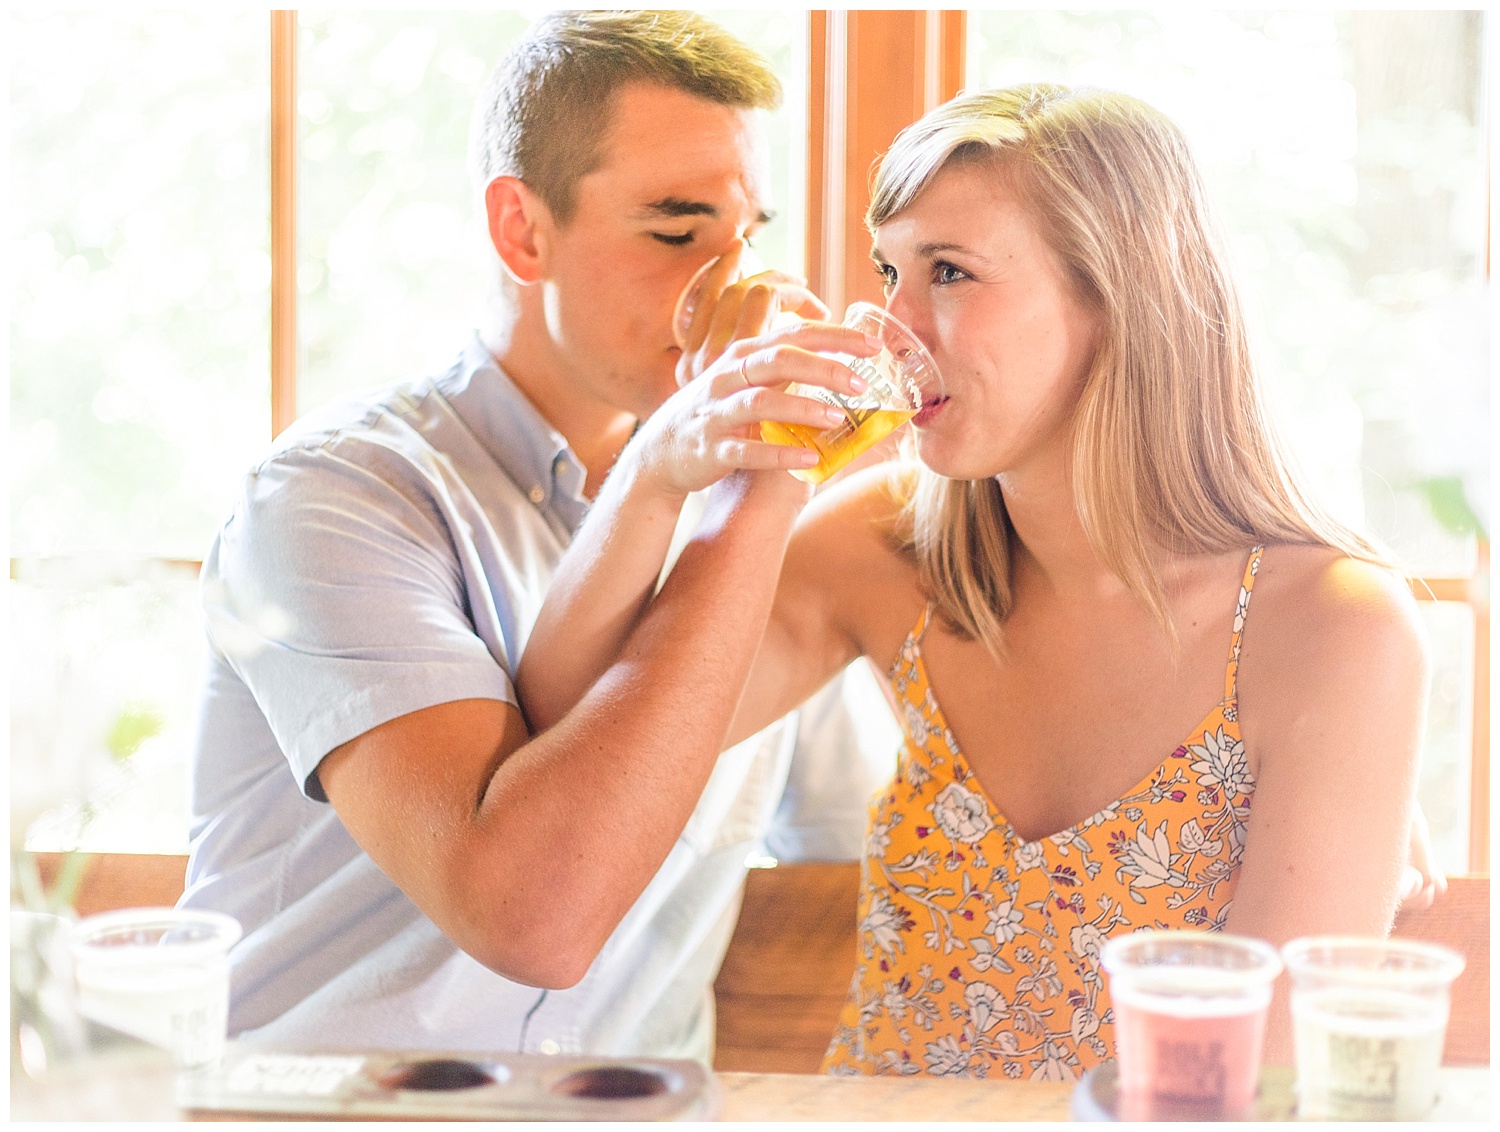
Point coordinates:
[[530, 451]]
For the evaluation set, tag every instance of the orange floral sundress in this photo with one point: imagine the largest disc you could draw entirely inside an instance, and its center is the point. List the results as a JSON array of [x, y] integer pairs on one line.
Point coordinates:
[[978, 952]]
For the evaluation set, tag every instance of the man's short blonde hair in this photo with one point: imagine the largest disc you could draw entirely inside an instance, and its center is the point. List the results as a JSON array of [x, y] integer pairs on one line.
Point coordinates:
[[546, 107]]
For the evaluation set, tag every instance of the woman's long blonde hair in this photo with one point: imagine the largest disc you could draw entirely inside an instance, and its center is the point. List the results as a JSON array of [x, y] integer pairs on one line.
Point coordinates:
[[1172, 448]]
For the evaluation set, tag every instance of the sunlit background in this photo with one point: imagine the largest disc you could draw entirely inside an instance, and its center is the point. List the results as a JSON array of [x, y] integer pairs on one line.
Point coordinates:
[[1345, 149]]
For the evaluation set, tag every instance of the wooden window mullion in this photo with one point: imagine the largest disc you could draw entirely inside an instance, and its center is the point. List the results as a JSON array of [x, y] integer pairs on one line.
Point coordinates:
[[283, 220], [872, 73]]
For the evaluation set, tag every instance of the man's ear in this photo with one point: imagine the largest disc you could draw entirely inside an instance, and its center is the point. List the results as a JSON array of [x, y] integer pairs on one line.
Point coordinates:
[[519, 225]]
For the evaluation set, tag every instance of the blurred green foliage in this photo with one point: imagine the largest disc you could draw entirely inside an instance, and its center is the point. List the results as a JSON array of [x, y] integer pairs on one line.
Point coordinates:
[[139, 311], [1449, 500], [133, 726]]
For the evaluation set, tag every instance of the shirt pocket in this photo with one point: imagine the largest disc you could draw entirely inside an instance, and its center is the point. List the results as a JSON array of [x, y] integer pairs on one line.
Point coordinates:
[[743, 791]]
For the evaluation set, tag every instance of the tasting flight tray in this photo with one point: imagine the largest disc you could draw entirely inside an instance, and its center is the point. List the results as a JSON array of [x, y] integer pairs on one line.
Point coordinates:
[[439, 1085], [1463, 1094], [1097, 1097]]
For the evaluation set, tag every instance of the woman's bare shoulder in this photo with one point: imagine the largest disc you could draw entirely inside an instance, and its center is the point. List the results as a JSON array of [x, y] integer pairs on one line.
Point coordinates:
[[850, 555], [1311, 596], [863, 516], [1329, 633]]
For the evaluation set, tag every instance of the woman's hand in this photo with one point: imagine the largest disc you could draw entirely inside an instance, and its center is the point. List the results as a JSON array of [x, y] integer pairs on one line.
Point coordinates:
[[1422, 881], [711, 426]]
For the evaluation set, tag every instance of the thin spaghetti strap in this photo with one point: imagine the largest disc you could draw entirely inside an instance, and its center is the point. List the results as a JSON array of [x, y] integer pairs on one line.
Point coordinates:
[[1241, 610], [911, 648], [920, 629]]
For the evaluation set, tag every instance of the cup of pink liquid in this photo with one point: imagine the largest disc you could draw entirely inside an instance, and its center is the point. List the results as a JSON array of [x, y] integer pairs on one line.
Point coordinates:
[[1190, 1021]]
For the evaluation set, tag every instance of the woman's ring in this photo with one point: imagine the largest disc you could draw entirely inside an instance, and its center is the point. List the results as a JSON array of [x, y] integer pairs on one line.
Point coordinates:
[[740, 369]]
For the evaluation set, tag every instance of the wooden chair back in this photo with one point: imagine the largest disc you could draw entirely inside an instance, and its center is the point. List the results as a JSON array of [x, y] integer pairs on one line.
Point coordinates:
[[787, 971], [121, 880], [1460, 919]]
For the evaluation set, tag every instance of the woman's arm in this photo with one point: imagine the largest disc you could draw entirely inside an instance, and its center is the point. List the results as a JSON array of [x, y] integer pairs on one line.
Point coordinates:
[[1333, 688], [844, 592]]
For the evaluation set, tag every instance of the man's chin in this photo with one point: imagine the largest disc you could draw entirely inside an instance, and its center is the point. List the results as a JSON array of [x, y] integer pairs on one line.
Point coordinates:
[[646, 398]]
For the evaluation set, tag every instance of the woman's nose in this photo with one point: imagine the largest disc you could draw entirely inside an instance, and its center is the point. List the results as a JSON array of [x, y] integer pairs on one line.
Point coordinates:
[[910, 312]]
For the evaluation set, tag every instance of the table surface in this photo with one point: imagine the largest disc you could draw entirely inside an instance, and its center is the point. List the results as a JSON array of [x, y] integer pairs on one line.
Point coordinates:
[[140, 1086], [790, 1096]]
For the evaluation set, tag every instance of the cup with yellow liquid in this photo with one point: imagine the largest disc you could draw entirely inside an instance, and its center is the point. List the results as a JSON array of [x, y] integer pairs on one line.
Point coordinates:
[[903, 380], [788, 300], [687, 303]]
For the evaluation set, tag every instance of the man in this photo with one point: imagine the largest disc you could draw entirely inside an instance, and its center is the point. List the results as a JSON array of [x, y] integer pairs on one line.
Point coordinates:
[[410, 866]]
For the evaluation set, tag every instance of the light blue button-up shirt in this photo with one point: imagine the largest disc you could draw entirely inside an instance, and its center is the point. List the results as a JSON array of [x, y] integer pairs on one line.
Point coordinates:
[[392, 554]]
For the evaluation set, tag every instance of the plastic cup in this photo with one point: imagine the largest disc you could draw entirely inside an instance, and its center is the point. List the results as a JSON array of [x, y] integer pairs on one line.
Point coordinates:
[[158, 974], [687, 303], [903, 380], [1368, 1018], [1190, 1021]]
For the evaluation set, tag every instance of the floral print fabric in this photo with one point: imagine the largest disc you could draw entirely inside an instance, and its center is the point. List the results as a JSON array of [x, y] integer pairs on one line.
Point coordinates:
[[978, 952]]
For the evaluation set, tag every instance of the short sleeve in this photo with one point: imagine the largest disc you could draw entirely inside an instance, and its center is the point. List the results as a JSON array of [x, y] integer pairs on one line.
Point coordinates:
[[334, 592]]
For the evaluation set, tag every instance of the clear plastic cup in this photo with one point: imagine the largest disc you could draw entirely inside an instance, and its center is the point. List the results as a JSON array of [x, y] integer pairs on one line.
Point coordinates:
[[1190, 1021], [1368, 1019], [687, 303], [903, 380], [158, 974]]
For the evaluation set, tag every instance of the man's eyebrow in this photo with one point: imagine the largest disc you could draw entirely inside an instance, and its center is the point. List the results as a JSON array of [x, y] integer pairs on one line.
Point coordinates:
[[674, 207], [677, 206]]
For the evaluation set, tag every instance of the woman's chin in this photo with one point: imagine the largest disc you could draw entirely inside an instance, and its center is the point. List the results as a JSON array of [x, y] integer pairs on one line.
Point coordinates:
[[942, 456], [936, 460]]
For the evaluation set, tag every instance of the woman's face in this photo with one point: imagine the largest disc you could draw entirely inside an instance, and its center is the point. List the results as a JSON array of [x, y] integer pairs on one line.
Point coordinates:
[[966, 268]]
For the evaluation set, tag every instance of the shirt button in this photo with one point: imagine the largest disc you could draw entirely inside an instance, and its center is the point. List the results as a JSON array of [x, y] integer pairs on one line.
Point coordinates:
[[549, 1047], [537, 494]]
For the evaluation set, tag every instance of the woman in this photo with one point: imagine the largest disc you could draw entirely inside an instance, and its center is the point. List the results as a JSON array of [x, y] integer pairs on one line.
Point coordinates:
[[1102, 732]]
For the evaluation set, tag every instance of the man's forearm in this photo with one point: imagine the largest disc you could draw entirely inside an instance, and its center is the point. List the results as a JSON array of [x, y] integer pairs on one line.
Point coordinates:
[[598, 594]]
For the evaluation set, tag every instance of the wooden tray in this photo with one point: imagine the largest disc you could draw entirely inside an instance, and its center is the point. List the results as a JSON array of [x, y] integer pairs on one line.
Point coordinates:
[[358, 1084]]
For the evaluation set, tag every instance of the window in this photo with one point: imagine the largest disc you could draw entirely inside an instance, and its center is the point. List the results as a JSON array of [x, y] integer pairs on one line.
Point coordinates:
[[1345, 148], [140, 333], [138, 386]]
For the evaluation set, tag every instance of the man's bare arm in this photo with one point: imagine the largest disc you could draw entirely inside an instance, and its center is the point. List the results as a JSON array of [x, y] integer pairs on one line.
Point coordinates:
[[527, 854]]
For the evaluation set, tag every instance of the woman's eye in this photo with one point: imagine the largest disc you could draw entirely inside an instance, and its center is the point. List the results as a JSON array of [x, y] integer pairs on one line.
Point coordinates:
[[673, 239], [887, 274], [947, 273]]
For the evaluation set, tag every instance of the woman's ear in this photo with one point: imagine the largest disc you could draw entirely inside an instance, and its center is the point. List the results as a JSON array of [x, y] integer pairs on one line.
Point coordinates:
[[519, 223]]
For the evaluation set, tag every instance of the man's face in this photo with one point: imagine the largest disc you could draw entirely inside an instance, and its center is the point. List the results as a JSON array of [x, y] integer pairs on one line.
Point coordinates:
[[680, 179]]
